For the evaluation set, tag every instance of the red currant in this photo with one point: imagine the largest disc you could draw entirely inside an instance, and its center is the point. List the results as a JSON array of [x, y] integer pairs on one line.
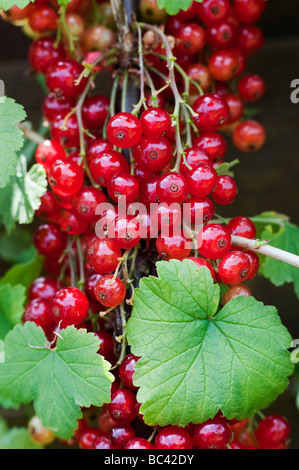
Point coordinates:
[[191, 38], [239, 290], [213, 11], [120, 435], [106, 348], [224, 65], [102, 254], [202, 180], [123, 186], [86, 201], [242, 226], [213, 434], [213, 143], [216, 241], [38, 311], [48, 152], [43, 288], [173, 437], [107, 164], [153, 154], [53, 106], [248, 11], [122, 407], [138, 443], [249, 136], [69, 306], [225, 190], [200, 262], [251, 87], [126, 371], [212, 110], [173, 247], [65, 178], [155, 122], [61, 78], [272, 431], [110, 291], [42, 52], [71, 223], [49, 240], [233, 268], [66, 131], [124, 130], [94, 111]]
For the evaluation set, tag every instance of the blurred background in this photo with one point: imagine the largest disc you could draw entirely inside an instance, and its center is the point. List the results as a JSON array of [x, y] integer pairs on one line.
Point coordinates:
[[267, 180]]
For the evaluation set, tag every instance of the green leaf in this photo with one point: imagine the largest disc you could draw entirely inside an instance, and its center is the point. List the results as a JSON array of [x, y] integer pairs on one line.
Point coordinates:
[[279, 273], [21, 197], [194, 361], [24, 273], [172, 7], [11, 137], [225, 168], [12, 300], [17, 247], [18, 439], [59, 381], [7, 403]]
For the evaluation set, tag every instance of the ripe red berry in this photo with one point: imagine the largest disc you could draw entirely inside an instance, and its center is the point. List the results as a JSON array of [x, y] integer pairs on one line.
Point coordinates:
[[213, 11], [42, 52], [191, 38], [239, 290], [173, 247], [123, 407], [172, 187], [248, 11], [173, 437], [65, 178], [107, 164], [43, 288], [38, 311], [124, 130], [102, 254], [236, 107], [223, 65], [123, 186], [233, 268], [43, 19], [106, 348], [200, 262], [213, 143], [49, 240], [272, 431], [53, 106], [225, 190], [200, 74], [110, 291], [126, 371], [221, 35], [94, 111], [155, 122], [202, 180], [254, 264], [216, 241], [120, 435], [213, 434], [124, 231], [251, 87], [102, 441], [66, 131], [152, 154], [138, 443], [86, 201], [250, 39], [69, 306], [97, 146], [249, 136], [242, 226], [71, 223], [202, 209], [212, 110], [61, 77], [193, 158]]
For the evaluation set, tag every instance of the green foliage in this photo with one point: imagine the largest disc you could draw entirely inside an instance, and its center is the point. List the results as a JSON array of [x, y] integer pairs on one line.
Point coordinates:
[[59, 381], [195, 361], [12, 299], [17, 247], [172, 7], [16, 438], [11, 137], [23, 273]]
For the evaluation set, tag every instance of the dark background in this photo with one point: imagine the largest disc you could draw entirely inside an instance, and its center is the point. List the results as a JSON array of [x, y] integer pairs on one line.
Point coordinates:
[[267, 180]]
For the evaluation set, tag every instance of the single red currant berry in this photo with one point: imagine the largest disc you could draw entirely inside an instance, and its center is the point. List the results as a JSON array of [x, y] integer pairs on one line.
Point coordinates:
[[250, 39], [110, 291], [155, 122], [239, 290], [120, 435], [200, 74], [191, 39], [236, 107], [201, 210], [202, 180], [49, 240], [102, 441], [221, 35], [86, 201], [242, 227], [153, 154], [251, 88], [223, 65], [107, 164], [212, 111], [172, 187], [213, 434], [38, 311], [97, 146], [173, 437], [42, 52], [49, 208], [122, 407], [248, 11], [213, 11], [43, 19], [254, 264], [94, 111], [90, 284], [106, 348], [249, 136], [225, 190], [192, 158], [138, 443], [105, 422], [173, 247], [233, 268], [216, 241], [272, 431], [88, 437], [69, 306], [166, 216], [43, 288], [125, 231], [126, 371], [123, 187], [148, 190], [213, 144], [65, 178], [71, 223], [124, 130], [200, 262], [53, 106], [102, 255], [61, 78], [48, 152], [66, 131]]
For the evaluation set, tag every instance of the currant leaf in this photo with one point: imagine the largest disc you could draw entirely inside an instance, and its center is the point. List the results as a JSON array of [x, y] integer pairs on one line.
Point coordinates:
[[225, 168], [7, 4], [172, 7], [23, 273], [59, 381], [195, 361], [21, 197], [18, 246], [12, 300], [11, 139], [17, 439]]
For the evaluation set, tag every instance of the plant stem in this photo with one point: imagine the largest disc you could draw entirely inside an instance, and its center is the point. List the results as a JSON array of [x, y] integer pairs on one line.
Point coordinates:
[[264, 248], [30, 134]]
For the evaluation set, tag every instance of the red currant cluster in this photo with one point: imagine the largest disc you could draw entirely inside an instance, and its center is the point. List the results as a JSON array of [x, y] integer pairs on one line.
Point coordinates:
[[84, 159]]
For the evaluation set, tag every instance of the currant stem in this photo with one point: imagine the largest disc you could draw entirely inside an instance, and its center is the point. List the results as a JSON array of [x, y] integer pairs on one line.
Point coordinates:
[[30, 134], [264, 248]]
